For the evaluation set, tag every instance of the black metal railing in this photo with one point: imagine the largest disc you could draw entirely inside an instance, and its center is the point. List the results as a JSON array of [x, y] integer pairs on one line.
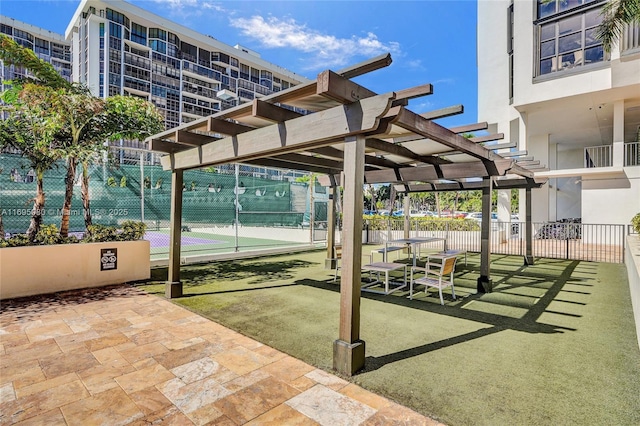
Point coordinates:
[[567, 239]]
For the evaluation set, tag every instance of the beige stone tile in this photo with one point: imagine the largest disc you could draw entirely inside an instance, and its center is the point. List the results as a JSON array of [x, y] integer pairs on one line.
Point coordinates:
[[54, 366], [110, 408], [138, 353], [344, 411], [170, 416], [76, 338], [196, 370], [288, 369], [31, 351], [13, 339], [38, 403], [397, 415], [192, 396], [173, 359], [108, 355], [145, 363], [329, 380], [106, 340], [12, 370], [181, 344], [7, 393], [270, 353], [282, 415], [246, 380], [150, 400], [144, 378], [50, 418], [108, 327], [302, 383], [48, 331], [255, 400], [368, 398], [148, 336], [46, 384], [241, 360], [102, 377], [204, 415]]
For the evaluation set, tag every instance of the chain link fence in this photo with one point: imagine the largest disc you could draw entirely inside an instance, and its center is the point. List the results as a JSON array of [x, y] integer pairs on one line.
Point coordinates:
[[225, 209]]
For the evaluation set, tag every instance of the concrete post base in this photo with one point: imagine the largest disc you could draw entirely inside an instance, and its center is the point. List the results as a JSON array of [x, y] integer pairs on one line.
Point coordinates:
[[485, 284], [348, 358], [172, 289], [528, 261]]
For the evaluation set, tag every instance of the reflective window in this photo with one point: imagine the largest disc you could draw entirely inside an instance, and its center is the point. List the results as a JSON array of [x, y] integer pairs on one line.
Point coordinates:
[[569, 41]]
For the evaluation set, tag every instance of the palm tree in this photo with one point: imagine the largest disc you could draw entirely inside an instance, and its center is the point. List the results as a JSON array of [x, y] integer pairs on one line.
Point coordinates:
[[617, 14]]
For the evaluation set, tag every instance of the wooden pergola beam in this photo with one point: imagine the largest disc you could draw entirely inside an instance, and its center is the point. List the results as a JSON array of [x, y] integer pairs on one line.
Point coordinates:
[[167, 147], [226, 127], [336, 154], [193, 139], [444, 112], [487, 138], [401, 151], [295, 135], [517, 183], [470, 127], [334, 86], [272, 112]]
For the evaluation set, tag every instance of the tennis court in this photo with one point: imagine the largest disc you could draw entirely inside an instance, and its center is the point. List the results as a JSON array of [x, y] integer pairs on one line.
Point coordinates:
[[204, 241]]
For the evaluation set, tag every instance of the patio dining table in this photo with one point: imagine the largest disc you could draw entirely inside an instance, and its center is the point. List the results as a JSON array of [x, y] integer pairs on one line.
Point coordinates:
[[413, 244]]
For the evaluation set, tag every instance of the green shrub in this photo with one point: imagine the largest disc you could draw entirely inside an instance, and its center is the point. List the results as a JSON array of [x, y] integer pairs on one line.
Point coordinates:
[[635, 222], [132, 230], [48, 235], [19, 240], [100, 233]]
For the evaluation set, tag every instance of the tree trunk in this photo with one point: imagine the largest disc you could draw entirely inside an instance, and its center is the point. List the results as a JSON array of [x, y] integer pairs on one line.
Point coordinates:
[[86, 201], [392, 199], [1, 229], [68, 197], [438, 204], [374, 203], [38, 208]]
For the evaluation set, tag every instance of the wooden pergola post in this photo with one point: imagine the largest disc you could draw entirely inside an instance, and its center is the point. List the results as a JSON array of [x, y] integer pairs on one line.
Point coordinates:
[[349, 350], [485, 284], [528, 230], [173, 287], [331, 262]]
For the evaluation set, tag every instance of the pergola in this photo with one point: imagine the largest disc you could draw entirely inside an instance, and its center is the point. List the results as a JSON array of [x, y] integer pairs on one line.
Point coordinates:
[[351, 136]]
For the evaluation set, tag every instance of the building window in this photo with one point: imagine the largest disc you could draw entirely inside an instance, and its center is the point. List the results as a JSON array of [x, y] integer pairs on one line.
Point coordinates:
[[567, 40]]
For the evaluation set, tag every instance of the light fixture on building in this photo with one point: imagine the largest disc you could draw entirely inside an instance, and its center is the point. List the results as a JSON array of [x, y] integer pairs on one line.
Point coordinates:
[[225, 94]]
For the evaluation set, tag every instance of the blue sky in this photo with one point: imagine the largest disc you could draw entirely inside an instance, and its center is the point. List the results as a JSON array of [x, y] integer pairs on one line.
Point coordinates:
[[431, 41]]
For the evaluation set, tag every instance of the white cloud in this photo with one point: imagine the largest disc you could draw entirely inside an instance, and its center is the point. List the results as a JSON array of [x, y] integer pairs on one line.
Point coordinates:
[[326, 50], [186, 8]]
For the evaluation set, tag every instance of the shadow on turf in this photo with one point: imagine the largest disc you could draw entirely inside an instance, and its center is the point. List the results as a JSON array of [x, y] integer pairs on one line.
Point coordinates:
[[496, 323]]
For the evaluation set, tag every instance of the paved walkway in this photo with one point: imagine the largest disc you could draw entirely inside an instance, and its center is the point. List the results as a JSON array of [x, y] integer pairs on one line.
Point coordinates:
[[119, 356]]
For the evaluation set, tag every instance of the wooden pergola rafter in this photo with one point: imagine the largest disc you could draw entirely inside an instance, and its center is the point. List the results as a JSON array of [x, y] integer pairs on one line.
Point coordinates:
[[351, 135]]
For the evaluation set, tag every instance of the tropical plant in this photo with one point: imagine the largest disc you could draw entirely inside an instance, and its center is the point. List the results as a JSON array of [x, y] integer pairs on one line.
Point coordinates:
[[635, 222], [29, 127], [86, 121], [617, 14]]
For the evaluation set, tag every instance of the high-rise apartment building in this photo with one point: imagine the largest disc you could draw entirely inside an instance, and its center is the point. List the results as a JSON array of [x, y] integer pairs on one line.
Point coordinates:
[[119, 48], [49, 46], [547, 83]]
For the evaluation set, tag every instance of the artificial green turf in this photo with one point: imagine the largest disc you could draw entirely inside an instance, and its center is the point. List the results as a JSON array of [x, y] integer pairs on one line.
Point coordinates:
[[553, 344]]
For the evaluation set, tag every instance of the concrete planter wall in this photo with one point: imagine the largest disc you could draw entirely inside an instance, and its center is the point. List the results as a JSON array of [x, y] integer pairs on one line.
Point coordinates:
[[28, 271], [632, 261]]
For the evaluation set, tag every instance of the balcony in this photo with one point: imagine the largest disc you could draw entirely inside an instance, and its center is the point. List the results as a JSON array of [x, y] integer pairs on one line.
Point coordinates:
[[602, 155]]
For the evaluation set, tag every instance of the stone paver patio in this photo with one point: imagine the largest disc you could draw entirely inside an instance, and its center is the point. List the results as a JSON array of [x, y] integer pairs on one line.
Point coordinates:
[[119, 356]]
